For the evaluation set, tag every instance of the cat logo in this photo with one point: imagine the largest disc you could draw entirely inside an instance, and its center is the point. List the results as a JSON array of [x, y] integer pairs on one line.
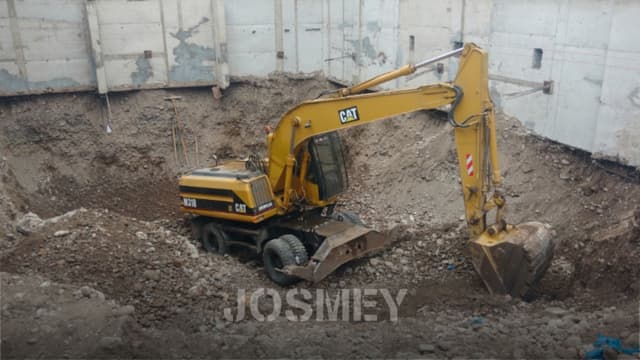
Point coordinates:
[[349, 115]]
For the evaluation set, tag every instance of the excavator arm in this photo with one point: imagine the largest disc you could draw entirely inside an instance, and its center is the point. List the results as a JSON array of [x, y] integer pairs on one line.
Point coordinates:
[[510, 259]]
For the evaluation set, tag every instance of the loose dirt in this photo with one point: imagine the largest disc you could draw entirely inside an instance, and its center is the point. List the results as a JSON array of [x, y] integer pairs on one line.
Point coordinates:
[[125, 250]]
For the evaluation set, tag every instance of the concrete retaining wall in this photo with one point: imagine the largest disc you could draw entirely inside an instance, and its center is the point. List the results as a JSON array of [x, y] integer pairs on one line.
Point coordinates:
[[586, 49]]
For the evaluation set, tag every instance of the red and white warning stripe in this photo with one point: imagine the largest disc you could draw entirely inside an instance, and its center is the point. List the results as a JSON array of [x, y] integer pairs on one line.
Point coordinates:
[[469, 165]]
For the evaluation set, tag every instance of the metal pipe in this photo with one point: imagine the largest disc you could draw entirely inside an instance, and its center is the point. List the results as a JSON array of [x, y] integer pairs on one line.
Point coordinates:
[[439, 57]]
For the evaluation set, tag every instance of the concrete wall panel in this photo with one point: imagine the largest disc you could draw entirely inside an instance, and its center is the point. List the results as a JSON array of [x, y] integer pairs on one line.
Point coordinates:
[[46, 45], [589, 51], [251, 37]]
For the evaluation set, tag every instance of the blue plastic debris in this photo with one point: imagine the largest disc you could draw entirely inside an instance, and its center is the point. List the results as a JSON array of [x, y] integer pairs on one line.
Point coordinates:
[[605, 341], [451, 267], [477, 321]]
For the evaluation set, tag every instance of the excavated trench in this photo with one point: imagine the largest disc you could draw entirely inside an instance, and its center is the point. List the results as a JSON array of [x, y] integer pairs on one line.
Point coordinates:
[[57, 156]]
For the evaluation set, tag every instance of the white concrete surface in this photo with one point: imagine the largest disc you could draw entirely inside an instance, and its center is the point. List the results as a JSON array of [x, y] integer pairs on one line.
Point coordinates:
[[108, 45]]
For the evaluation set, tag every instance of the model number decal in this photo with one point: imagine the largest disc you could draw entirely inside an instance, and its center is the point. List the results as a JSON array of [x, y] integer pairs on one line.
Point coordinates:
[[188, 202], [240, 208], [349, 115]]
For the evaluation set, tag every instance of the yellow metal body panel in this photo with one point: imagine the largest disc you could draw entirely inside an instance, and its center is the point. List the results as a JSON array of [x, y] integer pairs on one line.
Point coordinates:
[[225, 192], [255, 219]]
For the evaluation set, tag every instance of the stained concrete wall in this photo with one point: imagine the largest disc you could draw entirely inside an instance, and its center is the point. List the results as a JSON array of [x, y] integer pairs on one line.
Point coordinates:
[[70, 45], [43, 46], [588, 51]]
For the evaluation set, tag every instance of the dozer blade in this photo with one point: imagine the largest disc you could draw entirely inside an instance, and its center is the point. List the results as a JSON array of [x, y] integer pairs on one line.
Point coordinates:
[[513, 261], [343, 242]]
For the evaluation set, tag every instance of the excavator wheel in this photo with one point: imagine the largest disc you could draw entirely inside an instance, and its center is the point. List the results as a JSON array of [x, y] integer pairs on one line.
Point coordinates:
[[214, 239], [514, 261], [280, 252]]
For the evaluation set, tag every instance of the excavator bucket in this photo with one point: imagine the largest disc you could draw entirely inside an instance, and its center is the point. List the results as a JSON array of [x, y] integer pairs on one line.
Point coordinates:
[[343, 242], [513, 261]]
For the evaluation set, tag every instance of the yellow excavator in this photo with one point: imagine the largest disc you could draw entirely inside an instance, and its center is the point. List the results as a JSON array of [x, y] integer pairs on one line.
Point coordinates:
[[282, 207]]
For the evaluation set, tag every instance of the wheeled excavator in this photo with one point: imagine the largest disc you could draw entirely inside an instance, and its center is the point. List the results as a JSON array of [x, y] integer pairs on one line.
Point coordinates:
[[282, 207]]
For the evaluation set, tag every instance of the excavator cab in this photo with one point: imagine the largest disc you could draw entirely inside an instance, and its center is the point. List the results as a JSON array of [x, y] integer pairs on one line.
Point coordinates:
[[326, 168]]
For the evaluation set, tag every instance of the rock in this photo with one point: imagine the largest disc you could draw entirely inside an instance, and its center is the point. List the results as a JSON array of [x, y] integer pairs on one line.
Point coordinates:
[[574, 341], [32, 341], [221, 324], [632, 340], [124, 310], [249, 329], [518, 353], [554, 325], [45, 284], [86, 291], [565, 175], [61, 233], [565, 162], [110, 342], [28, 223], [141, 236], [609, 353], [197, 290], [566, 353], [442, 346], [331, 332], [152, 274], [40, 312], [191, 250], [426, 348], [553, 310]]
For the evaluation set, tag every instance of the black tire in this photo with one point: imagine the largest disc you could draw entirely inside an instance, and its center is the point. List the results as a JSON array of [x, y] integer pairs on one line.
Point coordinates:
[[197, 227], [280, 252], [297, 248], [214, 239], [348, 216]]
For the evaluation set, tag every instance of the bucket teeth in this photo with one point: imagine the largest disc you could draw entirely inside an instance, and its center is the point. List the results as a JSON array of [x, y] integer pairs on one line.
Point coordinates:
[[515, 261]]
